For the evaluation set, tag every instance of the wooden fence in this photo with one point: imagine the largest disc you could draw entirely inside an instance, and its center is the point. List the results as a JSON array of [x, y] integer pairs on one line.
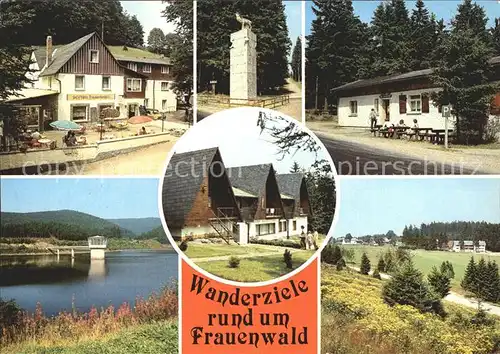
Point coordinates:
[[219, 100]]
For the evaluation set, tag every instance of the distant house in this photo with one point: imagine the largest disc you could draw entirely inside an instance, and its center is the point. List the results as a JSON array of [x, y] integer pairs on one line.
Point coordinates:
[[468, 246], [353, 241], [454, 246], [481, 247], [235, 204], [397, 97]]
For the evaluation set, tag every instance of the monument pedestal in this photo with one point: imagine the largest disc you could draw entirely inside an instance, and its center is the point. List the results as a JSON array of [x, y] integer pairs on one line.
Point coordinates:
[[243, 66]]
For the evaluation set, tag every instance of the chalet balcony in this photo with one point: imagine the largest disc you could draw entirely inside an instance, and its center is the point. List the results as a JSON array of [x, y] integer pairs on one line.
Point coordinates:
[[303, 212], [225, 212], [274, 212]]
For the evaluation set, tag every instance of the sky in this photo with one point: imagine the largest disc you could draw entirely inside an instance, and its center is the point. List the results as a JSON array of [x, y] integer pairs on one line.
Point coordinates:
[[108, 198], [293, 11], [443, 9], [149, 15], [238, 137], [377, 205]]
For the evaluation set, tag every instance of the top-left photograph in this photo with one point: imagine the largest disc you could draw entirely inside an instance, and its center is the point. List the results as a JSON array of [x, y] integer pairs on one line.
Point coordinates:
[[93, 87]]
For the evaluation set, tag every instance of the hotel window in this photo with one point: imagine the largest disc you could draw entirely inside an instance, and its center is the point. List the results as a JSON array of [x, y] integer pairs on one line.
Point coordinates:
[[165, 69], [415, 103], [146, 102], [134, 85], [80, 82], [295, 225], [375, 105], [94, 56], [164, 105], [282, 226], [106, 83], [164, 86], [146, 68], [132, 66], [79, 113], [353, 108]]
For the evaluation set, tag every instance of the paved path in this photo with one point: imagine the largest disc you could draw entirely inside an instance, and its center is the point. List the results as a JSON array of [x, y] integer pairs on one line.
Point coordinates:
[[456, 298], [359, 159]]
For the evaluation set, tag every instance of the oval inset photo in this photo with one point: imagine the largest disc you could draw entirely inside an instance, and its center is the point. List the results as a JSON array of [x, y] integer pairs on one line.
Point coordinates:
[[248, 195]]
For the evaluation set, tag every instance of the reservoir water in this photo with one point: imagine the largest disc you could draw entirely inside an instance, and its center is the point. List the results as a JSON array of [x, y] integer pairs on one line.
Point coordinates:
[[57, 284]]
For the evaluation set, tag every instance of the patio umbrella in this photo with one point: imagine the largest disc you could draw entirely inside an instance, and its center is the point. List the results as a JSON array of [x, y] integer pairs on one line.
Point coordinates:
[[65, 125], [140, 120]]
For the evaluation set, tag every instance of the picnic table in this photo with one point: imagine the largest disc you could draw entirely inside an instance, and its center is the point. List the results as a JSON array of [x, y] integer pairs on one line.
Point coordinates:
[[437, 135], [418, 132]]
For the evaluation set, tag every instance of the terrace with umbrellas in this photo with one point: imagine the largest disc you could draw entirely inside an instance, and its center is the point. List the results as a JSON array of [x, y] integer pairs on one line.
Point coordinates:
[[65, 133]]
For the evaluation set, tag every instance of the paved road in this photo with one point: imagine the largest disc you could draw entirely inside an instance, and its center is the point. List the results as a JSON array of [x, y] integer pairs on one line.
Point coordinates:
[[456, 298], [358, 159]]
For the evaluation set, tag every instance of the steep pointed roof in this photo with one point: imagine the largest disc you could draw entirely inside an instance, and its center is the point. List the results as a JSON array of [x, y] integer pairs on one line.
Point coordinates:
[[185, 174], [289, 184], [63, 54], [251, 179]]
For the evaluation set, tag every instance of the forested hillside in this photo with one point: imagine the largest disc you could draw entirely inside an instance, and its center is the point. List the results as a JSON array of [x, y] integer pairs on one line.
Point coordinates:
[[62, 224], [138, 225]]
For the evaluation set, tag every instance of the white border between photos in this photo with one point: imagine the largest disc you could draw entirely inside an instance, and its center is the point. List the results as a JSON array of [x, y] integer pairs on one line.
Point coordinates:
[[261, 283], [303, 61]]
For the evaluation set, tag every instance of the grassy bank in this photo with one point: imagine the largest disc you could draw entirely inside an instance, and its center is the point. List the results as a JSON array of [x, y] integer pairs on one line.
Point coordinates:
[[255, 269], [355, 320], [24, 332], [425, 260]]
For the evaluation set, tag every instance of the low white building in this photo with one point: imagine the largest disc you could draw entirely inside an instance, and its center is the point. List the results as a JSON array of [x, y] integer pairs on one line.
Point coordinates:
[[397, 97], [481, 247]]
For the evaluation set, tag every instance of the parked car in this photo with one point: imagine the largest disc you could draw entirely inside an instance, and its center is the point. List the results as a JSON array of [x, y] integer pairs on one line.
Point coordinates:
[[153, 113]]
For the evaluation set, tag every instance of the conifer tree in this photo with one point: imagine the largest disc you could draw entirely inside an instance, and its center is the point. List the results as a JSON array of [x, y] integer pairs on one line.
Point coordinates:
[[341, 264], [422, 37], [481, 283], [447, 269], [493, 282], [495, 36], [297, 60], [333, 52], [439, 282], [381, 265], [469, 279], [465, 75], [295, 167], [365, 264], [407, 287]]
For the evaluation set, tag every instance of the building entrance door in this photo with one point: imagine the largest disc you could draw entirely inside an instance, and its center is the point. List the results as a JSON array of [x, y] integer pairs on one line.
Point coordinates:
[[386, 108], [132, 110]]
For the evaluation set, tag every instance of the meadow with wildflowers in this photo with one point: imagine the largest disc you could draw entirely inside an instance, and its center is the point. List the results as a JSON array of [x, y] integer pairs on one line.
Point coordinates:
[[356, 320]]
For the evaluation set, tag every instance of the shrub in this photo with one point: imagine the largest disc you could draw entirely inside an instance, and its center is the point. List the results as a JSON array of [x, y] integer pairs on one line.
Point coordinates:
[[234, 262], [278, 243], [376, 274], [287, 258], [183, 246], [365, 264], [340, 264], [331, 254]]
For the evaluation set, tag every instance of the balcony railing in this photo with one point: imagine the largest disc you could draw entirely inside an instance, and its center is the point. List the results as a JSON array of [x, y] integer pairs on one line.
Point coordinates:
[[273, 212], [226, 212]]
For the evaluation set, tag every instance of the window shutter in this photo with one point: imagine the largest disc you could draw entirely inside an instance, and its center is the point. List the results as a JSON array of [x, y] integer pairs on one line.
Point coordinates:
[[440, 109], [425, 103], [402, 104]]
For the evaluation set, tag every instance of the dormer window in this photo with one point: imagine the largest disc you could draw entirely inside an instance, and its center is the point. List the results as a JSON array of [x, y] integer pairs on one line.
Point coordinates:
[[94, 56], [146, 68], [132, 66]]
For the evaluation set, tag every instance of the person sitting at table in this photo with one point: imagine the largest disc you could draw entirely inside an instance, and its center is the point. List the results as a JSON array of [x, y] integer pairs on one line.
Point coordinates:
[[36, 135], [415, 123], [391, 131], [142, 131], [71, 141]]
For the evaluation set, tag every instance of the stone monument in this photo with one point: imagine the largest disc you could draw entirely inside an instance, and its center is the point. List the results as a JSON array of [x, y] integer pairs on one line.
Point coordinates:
[[243, 63]]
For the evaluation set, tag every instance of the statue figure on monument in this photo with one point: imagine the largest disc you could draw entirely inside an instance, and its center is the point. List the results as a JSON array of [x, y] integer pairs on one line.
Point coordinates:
[[245, 23]]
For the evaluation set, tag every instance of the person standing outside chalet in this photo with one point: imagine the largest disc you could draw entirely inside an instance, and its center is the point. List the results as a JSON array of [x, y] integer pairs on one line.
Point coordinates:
[[373, 119], [302, 238]]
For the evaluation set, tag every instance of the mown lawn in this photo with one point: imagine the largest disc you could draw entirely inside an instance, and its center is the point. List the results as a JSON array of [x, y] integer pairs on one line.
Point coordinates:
[[202, 250], [154, 338], [256, 268], [425, 260]]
